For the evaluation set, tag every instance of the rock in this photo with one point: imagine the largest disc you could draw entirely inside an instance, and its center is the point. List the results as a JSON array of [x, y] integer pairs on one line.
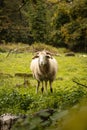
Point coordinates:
[[6, 121], [70, 54], [23, 75], [83, 55], [44, 114]]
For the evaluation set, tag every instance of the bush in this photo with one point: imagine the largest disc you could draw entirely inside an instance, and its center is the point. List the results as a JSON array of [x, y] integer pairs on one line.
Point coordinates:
[[13, 101]]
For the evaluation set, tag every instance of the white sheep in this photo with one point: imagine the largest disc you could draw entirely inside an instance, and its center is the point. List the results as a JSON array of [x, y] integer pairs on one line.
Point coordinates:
[[44, 68]]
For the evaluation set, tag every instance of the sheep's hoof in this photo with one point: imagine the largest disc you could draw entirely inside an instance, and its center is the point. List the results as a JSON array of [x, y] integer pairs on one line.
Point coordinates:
[[42, 89], [51, 90]]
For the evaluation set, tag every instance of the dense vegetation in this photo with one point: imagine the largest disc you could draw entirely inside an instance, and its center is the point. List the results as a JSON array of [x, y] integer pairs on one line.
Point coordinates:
[[59, 23]]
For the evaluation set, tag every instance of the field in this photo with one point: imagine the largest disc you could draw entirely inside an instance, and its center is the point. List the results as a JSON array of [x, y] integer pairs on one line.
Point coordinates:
[[17, 86]]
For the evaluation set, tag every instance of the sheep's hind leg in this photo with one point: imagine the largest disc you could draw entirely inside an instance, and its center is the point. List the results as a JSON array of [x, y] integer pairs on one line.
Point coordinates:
[[42, 89], [37, 87], [50, 82], [46, 86]]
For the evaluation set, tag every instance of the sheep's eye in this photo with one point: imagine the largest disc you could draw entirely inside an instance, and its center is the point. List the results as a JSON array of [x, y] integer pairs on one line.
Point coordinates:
[[48, 56]]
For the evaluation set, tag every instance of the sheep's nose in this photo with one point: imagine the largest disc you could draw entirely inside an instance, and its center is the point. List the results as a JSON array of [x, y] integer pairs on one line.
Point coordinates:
[[42, 63]]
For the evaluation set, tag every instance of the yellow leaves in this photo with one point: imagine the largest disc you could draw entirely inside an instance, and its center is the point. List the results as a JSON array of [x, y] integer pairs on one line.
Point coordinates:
[[65, 33], [55, 14], [53, 1]]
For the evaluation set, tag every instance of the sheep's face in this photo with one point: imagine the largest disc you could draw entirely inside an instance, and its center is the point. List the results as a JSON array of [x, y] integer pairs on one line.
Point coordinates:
[[43, 58]]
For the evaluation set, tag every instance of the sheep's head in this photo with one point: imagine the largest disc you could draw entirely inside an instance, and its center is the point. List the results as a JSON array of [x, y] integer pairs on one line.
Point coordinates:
[[43, 57]]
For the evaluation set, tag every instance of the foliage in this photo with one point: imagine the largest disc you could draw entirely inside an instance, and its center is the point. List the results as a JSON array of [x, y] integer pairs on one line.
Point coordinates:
[[62, 18], [14, 100], [59, 23], [74, 118], [78, 9], [38, 21], [42, 46], [74, 34]]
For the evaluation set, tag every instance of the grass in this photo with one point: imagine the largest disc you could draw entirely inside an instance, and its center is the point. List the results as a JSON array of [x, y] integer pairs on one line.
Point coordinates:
[[17, 97]]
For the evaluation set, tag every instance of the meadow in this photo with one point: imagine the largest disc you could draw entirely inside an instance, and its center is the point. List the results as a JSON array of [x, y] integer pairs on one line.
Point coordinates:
[[17, 86]]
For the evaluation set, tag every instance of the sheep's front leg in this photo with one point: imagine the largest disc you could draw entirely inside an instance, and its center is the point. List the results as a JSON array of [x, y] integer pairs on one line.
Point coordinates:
[[42, 89], [50, 82], [37, 87]]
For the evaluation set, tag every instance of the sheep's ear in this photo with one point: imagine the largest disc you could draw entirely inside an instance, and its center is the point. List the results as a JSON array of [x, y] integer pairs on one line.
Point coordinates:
[[37, 52], [36, 56], [48, 53]]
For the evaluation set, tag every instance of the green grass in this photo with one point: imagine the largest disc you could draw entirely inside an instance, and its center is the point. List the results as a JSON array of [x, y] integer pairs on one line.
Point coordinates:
[[15, 97]]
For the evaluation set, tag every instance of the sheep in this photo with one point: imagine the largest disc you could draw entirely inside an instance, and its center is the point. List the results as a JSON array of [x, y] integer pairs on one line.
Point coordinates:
[[44, 67]]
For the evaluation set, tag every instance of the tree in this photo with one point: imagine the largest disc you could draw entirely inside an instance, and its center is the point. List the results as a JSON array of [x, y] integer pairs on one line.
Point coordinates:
[[61, 18], [38, 20]]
